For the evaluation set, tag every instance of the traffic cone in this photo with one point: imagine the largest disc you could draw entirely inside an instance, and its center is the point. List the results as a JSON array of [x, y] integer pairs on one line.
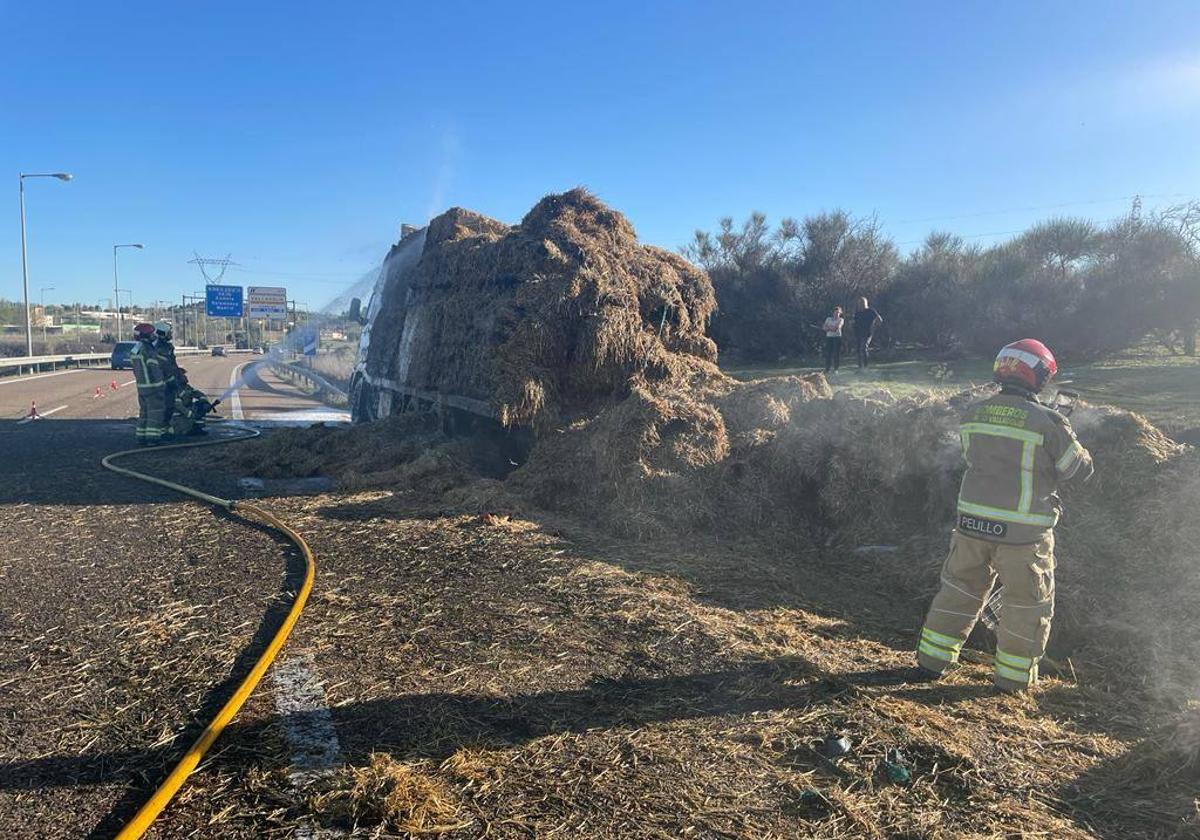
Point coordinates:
[[99, 395], [33, 412], [112, 386]]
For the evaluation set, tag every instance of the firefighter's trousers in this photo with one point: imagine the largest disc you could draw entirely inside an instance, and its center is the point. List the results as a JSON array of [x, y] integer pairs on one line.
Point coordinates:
[[168, 410], [970, 571], [151, 406]]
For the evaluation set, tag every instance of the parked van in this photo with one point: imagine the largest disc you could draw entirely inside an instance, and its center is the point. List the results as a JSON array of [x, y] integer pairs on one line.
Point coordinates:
[[120, 355]]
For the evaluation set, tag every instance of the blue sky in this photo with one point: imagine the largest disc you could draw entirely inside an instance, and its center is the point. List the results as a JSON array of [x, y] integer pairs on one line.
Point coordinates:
[[298, 136]]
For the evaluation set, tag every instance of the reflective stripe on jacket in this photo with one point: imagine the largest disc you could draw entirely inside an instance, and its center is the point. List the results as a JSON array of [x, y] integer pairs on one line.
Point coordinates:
[[147, 367], [1018, 451]]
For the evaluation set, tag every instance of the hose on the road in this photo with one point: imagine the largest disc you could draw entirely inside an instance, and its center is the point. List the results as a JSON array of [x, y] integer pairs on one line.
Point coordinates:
[[170, 786]]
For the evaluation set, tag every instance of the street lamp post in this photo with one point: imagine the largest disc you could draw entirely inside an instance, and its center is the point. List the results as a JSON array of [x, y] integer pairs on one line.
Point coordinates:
[[62, 176], [116, 283], [43, 304], [201, 323], [119, 293]]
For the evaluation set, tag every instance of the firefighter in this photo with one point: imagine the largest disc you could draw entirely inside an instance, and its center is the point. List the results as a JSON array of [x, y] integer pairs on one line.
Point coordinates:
[[151, 386], [172, 375], [1018, 451], [192, 406]]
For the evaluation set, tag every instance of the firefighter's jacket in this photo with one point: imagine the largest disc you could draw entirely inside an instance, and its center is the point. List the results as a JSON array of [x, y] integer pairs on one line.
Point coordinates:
[[166, 352], [147, 369], [1018, 452], [191, 406]]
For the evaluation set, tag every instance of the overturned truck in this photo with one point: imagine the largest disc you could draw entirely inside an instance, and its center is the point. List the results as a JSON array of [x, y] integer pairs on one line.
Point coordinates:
[[592, 346], [526, 324]]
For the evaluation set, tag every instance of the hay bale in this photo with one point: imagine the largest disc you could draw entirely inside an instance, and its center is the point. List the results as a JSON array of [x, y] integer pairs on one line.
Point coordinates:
[[623, 463], [766, 405], [542, 320], [1130, 554]]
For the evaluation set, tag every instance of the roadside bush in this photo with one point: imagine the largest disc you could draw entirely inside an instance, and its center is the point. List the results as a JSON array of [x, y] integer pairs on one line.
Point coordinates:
[[775, 287], [1086, 290]]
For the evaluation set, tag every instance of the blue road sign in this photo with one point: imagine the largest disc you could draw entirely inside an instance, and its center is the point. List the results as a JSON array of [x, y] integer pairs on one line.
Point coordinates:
[[223, 301], [312, 337]]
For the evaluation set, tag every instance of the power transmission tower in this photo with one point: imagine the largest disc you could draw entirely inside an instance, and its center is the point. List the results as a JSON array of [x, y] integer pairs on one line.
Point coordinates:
[[204, 263], [201, 263]]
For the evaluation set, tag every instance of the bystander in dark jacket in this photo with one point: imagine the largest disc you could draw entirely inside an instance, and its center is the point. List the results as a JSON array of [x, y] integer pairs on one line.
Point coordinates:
[[866, 320]]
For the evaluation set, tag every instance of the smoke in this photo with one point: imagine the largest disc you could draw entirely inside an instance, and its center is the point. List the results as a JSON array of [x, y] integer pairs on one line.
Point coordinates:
[[449, 151], [1085, 419], [290, 343], [240, 381]]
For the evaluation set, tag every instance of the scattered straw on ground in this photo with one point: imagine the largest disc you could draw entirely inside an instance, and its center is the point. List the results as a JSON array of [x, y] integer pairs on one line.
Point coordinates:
[[390, 794], [650, 626]]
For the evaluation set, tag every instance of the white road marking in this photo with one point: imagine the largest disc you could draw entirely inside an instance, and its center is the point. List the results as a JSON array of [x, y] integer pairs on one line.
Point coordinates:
[[19, 379], [308, 727], [305, 415], [304, 831], [235, 401], [130, 382], [46, 413]]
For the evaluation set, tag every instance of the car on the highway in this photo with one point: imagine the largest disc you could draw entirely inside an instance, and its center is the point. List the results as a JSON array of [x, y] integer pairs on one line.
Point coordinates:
[[120, 355], [218, 350]]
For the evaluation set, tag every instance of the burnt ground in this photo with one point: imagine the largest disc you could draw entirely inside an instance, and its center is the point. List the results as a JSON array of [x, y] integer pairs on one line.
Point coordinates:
[[496, 677]]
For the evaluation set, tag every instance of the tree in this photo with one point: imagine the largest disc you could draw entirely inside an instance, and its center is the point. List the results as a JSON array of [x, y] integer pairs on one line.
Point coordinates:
[[771, 285], [927, 300], [1183, 295], [1086, 290]]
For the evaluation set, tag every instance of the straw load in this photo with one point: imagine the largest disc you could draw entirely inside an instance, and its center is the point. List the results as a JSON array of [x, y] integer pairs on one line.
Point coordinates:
[[540, 321], [568, 328]]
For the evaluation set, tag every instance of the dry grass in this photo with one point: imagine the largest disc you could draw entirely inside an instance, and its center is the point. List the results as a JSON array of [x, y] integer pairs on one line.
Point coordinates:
[[490, 678], [337, 365], [390, 794], [407, 450]]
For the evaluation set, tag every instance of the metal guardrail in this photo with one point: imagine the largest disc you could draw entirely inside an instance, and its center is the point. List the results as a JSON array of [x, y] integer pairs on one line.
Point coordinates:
[[37, 364], [319, 382]]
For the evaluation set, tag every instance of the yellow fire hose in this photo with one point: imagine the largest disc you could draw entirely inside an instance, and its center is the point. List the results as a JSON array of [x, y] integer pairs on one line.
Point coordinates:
[[170, 786]]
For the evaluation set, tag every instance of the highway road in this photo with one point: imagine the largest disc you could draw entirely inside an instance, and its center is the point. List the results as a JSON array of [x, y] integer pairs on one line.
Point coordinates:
[[124, 608], [53, 460], [102, 394]]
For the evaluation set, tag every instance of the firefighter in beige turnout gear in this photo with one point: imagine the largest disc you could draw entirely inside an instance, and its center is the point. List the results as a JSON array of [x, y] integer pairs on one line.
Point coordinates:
[[151, 386], [173, 378], [1018, 451]]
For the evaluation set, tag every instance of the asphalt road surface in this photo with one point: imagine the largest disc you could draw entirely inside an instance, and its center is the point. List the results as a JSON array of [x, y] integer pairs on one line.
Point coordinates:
[[102, 394], [124, 609], [91, 412]]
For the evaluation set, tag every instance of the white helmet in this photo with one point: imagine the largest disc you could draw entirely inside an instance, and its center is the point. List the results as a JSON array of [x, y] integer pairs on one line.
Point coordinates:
[[163, 329]]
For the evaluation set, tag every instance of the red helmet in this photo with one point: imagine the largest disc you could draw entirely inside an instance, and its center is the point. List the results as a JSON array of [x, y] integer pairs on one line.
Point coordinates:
[[1027, 364], [144, 332]]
